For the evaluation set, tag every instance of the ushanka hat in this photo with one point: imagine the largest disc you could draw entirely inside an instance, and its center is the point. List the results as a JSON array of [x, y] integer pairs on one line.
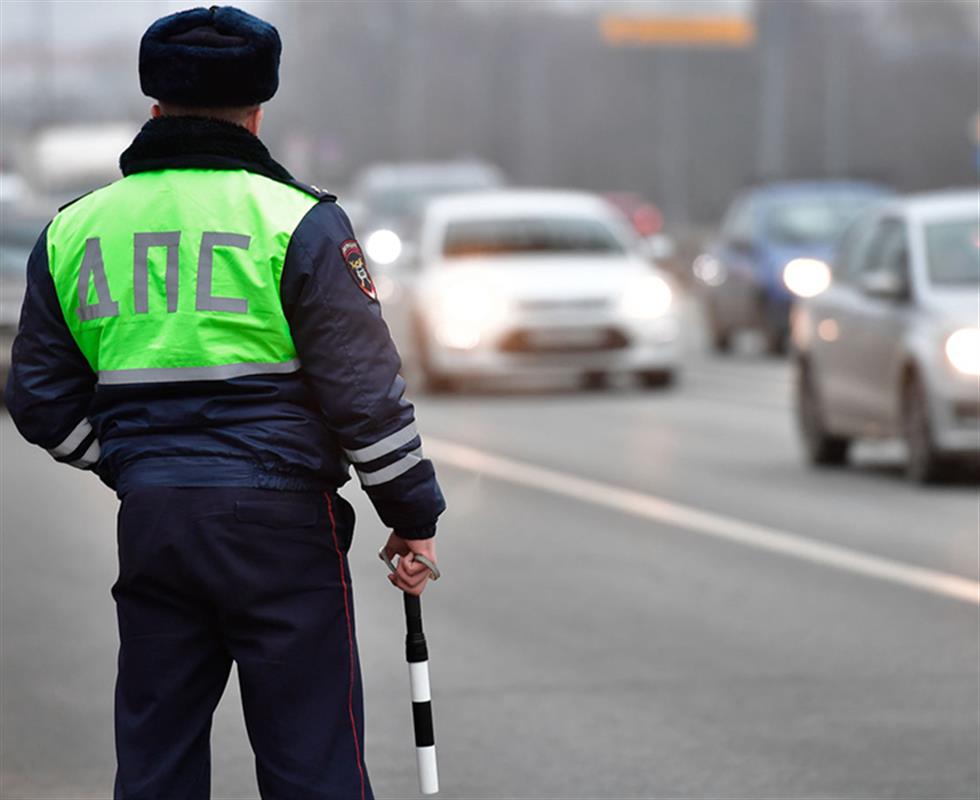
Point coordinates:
[[218, 57]]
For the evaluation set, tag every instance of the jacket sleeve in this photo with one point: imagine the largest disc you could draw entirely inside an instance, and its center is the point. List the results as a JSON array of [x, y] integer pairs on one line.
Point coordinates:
[[352, 365], [50, 386]]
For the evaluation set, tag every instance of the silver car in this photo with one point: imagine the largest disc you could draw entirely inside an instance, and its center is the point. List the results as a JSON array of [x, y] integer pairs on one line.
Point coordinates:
[[891, 347]]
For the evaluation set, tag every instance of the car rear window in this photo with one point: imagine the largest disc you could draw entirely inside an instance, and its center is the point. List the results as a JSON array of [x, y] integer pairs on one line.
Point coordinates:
[[953, 251], [529, 235]]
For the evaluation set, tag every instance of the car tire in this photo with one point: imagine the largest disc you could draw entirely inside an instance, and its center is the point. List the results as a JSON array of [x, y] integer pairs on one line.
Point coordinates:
[[656, 378], [924, 462], [823, 449]]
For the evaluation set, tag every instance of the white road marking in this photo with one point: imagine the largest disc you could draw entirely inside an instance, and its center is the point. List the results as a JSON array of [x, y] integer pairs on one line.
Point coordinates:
[[704, 522]]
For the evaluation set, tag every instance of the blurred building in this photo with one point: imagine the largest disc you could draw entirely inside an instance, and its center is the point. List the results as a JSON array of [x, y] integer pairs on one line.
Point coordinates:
[[820, 87]]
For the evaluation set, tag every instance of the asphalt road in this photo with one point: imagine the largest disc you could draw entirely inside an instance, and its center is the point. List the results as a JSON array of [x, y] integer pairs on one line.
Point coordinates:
[[646, 595]]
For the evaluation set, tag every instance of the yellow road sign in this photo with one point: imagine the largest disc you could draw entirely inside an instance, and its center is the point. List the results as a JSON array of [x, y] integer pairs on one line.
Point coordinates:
[[678, 31]]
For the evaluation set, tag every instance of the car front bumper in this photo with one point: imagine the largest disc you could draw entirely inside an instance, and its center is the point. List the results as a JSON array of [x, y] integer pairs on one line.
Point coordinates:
[[563, 346], [956, 421]]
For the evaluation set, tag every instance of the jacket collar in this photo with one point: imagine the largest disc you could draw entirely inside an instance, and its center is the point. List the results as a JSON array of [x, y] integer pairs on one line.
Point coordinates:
[[198, 143]]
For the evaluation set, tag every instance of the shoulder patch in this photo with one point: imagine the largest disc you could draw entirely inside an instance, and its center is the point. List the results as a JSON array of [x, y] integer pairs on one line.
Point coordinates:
[[350, 251]]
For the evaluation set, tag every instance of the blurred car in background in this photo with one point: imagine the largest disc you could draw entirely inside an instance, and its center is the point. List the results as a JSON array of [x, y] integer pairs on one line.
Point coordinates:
[[647, 222], [388, 198], [532, 283], [17, 237], [771, 240], [892, 347]]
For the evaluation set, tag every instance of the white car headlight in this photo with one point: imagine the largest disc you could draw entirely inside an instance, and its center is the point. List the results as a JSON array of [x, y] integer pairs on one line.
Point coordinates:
[[462, 312], [383, 246], [963, 350], [646, 298], [806, 277], [709, 270]]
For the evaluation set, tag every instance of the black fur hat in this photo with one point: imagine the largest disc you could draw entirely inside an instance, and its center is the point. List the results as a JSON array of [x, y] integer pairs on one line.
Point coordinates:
[[218, 56]]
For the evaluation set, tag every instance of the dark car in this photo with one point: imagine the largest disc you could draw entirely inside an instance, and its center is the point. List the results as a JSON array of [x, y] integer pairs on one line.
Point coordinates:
[[743, 273]]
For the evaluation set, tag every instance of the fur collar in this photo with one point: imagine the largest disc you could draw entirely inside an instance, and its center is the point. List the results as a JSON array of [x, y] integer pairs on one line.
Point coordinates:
[[198, 142]]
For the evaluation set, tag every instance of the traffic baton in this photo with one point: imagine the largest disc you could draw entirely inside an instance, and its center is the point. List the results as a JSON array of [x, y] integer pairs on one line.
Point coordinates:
[[417, 655]]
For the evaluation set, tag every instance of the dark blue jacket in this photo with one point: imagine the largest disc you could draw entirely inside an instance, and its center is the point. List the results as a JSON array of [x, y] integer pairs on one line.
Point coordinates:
[[298, 431]]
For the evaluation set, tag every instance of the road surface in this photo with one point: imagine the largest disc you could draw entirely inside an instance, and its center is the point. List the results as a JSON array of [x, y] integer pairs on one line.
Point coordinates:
[[646, 595]]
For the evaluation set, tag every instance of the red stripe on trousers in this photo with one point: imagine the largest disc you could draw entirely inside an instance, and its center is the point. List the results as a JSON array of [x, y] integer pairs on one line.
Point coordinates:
[[350, 641]]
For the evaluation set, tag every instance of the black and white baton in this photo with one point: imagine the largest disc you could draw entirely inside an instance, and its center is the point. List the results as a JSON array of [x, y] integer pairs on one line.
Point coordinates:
[[417, 655]]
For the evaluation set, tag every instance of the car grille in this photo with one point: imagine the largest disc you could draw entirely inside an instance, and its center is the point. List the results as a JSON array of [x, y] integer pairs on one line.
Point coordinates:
[[572, 340]]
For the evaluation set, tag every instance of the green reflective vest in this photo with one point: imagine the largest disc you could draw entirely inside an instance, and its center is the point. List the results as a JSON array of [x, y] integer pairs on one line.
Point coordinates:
[[174, 275]]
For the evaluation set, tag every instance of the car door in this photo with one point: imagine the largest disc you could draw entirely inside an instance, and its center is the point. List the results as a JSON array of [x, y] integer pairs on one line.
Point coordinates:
[[736, 298], [835, 318], [882, 312]]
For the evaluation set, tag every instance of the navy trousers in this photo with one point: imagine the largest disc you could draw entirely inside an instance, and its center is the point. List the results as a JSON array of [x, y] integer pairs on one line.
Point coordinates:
[[208, 576]]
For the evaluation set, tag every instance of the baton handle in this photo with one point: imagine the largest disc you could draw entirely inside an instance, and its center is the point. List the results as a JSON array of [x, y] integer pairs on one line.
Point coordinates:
[[417, 655]]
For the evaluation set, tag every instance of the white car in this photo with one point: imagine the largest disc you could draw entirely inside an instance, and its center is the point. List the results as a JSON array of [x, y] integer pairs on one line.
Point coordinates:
[[892, 346], [530, 283]]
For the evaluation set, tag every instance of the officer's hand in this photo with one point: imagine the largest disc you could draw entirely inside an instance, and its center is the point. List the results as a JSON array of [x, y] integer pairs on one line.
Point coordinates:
[[410, 576]]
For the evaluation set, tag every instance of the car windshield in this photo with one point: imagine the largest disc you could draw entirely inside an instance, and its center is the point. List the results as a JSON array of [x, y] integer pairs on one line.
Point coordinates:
[[529, 235], [814, 220], [953, 251]]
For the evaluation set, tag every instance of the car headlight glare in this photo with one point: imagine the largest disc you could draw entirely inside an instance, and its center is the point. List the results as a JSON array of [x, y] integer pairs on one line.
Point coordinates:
[[963, 350], [647, 298], [464, 310], [709, 270], [383, 246], [806, 277]]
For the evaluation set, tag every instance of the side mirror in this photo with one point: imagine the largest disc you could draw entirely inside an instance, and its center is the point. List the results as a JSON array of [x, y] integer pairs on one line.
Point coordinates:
[[885, 285]]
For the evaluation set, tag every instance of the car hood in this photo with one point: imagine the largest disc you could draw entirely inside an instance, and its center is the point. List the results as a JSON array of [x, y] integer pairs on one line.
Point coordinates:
[[954, 306], [529, 278]]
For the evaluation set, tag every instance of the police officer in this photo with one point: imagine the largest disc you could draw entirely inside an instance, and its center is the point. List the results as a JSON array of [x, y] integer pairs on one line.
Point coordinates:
[[204, 335]]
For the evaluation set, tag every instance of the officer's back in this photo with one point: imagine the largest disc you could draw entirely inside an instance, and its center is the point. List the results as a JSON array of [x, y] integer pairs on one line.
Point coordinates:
[[204, 334]]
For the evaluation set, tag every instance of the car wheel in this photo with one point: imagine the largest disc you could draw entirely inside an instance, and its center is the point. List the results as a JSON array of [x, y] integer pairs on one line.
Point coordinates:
[[822, 447], [924, 464], [656, 378]]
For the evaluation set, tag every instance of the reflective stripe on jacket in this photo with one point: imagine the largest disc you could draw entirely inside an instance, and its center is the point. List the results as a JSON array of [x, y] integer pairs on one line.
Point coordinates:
[[174, 352]]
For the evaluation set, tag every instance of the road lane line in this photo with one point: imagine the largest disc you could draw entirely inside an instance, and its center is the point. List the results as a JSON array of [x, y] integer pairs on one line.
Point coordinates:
[[707, 523]]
